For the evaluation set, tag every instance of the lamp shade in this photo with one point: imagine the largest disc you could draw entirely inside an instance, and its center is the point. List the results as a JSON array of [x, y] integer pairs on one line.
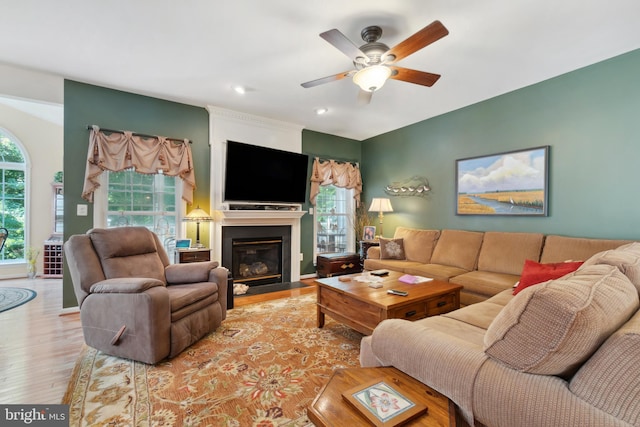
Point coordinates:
[[372, 78], [197, 215], [380, 205]]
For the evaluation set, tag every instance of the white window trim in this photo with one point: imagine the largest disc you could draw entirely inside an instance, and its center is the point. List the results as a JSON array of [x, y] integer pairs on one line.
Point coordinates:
[[26, 167], [350, 231], [100, 206]]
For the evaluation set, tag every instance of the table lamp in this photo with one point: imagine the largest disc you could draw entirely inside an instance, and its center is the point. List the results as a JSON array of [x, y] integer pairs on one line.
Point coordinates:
[[380, 205], [197, 215]]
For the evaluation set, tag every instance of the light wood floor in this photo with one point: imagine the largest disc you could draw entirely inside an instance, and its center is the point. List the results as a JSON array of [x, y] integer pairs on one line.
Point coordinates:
[[39, 346]]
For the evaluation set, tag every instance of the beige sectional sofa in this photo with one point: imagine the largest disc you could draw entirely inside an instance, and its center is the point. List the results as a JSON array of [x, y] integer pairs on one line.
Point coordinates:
[[564, 352], [485, 263]]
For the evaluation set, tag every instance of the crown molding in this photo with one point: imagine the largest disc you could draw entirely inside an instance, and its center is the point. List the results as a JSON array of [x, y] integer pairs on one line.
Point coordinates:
[[223, 113]]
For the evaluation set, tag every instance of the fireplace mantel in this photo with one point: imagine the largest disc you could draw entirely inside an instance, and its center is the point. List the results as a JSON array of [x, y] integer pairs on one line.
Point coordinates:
[[232, 217]]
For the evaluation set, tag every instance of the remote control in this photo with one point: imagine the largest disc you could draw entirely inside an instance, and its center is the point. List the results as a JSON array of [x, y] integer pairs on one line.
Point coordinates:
[[397, 292], [380, 272]]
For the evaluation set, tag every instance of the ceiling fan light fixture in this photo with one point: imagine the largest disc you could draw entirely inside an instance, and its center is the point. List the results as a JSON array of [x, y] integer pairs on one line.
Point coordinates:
[[372, 78]]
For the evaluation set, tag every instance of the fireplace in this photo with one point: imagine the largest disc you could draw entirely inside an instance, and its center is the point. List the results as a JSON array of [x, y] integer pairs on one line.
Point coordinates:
[[257, 255]]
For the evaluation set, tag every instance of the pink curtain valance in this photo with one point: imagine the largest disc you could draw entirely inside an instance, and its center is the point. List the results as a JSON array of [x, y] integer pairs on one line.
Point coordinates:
[[148, 155], [343, 175]]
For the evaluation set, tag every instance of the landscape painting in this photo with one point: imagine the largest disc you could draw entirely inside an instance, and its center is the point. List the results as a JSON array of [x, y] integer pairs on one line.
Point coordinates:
[[512, 183]]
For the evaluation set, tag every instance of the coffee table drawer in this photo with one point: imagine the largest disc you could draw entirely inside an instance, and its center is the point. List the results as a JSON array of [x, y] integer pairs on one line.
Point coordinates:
[[415, 311], [442, 304], [356, 310], [430, 307]]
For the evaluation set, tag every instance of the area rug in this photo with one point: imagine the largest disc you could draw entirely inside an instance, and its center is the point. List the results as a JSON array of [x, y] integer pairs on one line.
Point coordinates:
[[14, 297], [261, 368]]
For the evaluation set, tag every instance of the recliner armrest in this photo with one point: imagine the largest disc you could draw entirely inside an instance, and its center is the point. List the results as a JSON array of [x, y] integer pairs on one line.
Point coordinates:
[[124, 285], [193, 272]]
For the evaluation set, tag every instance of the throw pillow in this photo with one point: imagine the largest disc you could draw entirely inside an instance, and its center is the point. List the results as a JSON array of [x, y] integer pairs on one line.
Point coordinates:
[[552, 328], [391, 248], [534, 273]]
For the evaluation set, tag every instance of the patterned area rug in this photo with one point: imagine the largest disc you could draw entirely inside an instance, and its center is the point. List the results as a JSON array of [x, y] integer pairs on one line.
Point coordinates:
[[13, 297], [262, 368]]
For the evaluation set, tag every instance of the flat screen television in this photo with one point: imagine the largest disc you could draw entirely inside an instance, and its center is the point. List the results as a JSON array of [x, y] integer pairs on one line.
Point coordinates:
[[265, 175]]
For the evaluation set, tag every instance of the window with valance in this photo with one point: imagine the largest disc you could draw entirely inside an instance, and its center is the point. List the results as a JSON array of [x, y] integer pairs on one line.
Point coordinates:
[[333, 172], [118, 151], [335, 192]]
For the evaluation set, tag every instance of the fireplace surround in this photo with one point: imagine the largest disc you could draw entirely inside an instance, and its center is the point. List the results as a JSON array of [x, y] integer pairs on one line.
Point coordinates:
[[257, 255]]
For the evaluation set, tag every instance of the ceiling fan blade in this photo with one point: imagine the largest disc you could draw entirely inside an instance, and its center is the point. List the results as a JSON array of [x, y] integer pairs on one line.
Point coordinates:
[[414, 76], [424, 37], [364, 97], [343, 44], [327, 79]]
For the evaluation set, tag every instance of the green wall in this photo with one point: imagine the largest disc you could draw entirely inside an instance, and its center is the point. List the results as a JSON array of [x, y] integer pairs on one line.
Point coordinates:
[[590, 120], [324, 146], [112, 109]]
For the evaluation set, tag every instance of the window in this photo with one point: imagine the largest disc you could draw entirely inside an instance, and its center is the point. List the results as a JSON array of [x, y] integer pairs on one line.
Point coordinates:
[[12, 196], [334, 213], [135, 199]]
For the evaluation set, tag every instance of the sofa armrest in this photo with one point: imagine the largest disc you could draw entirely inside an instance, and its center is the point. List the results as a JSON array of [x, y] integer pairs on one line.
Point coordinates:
[[124, 285], [192, 272], [444, 362], [373, 252]]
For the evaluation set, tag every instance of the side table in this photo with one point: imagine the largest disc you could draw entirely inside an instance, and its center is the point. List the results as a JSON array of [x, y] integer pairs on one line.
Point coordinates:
[[329, 408], [192, 255]]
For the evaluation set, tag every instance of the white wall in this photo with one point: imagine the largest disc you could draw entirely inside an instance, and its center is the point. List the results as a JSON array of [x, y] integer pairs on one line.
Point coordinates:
[[28, 84], [33, 112], [43, 142]]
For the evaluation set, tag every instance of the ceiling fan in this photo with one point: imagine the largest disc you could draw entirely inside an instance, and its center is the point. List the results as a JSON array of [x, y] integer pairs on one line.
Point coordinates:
[[374, 61]]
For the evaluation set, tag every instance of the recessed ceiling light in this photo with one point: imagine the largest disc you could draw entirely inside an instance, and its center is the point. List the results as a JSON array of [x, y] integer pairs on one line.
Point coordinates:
[[321, 111], [239, 90]]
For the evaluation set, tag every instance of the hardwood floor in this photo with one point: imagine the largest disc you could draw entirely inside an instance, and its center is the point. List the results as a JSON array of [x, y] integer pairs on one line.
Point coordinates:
[[39, 346]]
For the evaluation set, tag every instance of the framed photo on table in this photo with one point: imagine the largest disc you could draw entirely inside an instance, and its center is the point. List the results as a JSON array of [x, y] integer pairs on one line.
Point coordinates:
[[369, 232], [382, 404]]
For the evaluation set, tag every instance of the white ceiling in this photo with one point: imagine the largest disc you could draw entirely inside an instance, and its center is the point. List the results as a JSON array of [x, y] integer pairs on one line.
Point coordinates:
[[195, 51]]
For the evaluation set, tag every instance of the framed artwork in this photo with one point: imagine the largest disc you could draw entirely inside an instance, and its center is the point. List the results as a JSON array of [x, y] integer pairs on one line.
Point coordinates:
[[382, 404], [510, 183], [369, 232]]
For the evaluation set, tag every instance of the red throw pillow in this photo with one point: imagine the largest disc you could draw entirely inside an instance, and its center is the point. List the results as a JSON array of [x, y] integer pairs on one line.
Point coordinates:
[[534, 272]]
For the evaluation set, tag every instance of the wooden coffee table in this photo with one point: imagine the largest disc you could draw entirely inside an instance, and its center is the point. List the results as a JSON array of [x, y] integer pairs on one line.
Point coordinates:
[[360, 307], [329, 408]]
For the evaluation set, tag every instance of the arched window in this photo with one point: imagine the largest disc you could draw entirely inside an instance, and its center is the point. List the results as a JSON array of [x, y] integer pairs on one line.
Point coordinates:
[[12, 196]]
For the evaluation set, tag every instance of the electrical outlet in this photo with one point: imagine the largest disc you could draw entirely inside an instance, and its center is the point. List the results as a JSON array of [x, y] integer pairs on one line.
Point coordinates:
[[310, 211], [301, 256]]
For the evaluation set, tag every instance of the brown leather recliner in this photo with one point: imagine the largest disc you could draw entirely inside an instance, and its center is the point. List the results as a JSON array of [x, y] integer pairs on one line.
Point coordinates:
[[133, 302]]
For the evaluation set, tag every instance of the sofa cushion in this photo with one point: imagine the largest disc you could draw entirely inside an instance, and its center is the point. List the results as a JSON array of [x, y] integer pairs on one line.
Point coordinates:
[[435, 271], [418, 244], [610, 379], [480, 315], [457, 248], [534, 272], [392, 248], [485, 283], [503, 252], [552, 328], [626, 258], [562, 248]]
